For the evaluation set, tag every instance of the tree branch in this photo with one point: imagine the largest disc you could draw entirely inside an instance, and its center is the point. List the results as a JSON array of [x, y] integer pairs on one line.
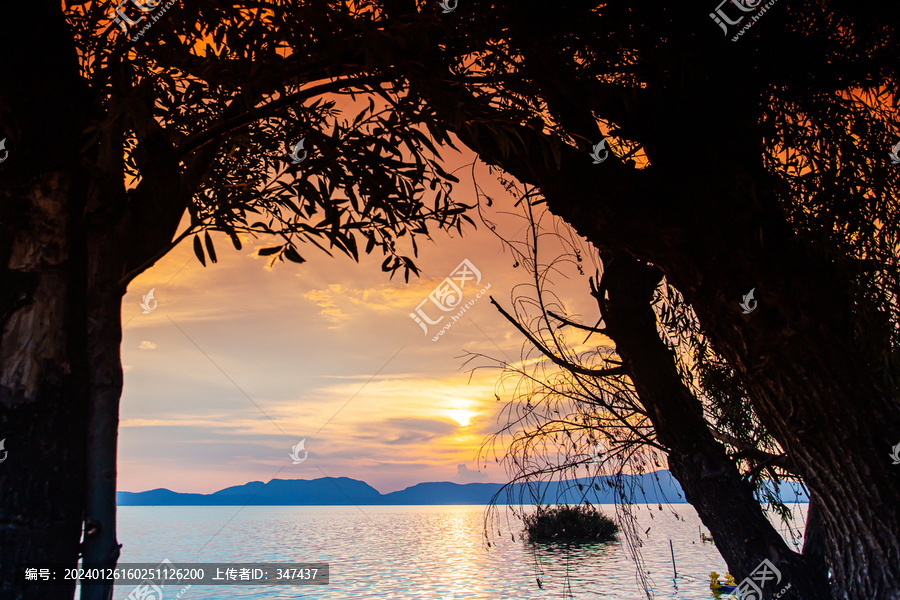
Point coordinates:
[[566, 321], [782, 461], [237, 121], [557, 360]]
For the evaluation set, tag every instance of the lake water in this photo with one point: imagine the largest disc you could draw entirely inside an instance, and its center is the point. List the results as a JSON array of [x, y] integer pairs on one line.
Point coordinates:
[[414, 552]]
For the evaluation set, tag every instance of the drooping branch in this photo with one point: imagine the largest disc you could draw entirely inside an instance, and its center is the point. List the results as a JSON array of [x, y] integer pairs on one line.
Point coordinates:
[[574, 368]]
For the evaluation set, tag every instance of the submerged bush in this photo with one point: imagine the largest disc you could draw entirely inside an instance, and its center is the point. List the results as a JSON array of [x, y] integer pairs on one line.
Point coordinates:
[[569, 523]]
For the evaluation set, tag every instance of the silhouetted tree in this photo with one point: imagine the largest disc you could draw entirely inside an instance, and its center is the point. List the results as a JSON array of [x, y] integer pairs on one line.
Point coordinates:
[[113, 143], [641, 400], [731, 167], [757, 164]]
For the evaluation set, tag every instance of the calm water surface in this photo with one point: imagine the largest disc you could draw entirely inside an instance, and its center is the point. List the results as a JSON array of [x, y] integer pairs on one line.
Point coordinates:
[[414, 552]]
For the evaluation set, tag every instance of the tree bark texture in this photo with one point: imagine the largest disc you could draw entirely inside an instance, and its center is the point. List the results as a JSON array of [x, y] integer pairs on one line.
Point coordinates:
[[711, 481]]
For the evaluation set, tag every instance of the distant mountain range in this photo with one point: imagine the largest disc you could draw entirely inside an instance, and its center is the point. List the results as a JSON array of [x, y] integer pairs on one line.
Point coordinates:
[[653, 488]]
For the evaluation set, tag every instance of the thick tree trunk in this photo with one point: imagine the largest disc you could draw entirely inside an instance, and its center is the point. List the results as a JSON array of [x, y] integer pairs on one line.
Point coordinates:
[[69, 235], [43, 390], [823, 399], [815, 364], [43, 307], [826, 398], [711, 481]]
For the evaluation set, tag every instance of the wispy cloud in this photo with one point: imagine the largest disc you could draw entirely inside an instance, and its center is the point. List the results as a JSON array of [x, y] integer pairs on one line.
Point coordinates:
[[300, 341]]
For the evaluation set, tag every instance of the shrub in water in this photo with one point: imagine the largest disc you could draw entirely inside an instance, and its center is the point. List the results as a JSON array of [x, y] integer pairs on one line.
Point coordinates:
[[570, 523]]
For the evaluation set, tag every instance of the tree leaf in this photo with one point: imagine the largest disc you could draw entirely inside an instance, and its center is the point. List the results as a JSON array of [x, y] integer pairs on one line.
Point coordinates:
[[198, 250], [209, 247], [291, 254]]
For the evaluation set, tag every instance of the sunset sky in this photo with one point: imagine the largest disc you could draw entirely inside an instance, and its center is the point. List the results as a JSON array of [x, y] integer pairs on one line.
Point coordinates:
[[240, 362]]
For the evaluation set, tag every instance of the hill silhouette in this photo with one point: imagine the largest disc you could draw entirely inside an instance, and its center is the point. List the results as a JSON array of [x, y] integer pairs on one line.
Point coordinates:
[[656, 488]]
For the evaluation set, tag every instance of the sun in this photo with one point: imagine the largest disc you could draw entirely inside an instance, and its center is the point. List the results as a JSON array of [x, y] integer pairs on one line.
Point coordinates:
[[463, 417]]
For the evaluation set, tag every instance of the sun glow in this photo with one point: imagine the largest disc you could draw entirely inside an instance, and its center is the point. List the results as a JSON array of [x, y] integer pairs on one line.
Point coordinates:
[[463, 417]]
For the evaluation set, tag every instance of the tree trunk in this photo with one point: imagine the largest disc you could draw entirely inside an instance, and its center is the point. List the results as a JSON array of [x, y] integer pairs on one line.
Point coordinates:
[[101, 547], [68, 236], [43, 315], [711, 481], [808, 355], [43, 390], [827, 399], [821, 397], [813, 540]]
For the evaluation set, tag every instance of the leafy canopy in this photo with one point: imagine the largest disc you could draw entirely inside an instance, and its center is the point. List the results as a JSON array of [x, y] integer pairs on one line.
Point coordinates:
[[227, 89]]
